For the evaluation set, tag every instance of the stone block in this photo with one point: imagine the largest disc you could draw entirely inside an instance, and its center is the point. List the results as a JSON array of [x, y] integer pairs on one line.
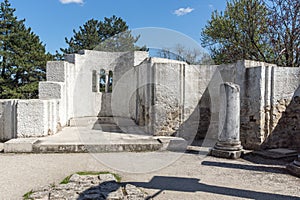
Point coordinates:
[[37, 117], [20, 145], [294, 167], [177, 144], [51, 90], [7, 119], [225, 154], [1, 147], [56, 71]]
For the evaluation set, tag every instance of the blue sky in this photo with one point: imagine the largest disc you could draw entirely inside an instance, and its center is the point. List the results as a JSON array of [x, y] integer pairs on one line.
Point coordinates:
[[53, 20]]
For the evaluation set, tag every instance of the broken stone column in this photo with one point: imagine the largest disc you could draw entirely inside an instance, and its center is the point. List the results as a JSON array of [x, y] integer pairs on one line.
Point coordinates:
[[294, 167], [229, 144]]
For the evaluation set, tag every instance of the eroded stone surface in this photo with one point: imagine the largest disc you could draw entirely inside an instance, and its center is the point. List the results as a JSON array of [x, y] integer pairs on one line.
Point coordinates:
[[103, 186]]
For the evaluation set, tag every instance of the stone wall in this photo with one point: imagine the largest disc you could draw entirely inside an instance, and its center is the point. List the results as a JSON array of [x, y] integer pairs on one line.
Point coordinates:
[[161, 97], [284, 110], [37, 118], [28, 118], [8, 124]]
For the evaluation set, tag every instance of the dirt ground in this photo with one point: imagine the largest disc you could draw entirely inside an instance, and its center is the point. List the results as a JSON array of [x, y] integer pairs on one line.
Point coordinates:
[[185, 176]]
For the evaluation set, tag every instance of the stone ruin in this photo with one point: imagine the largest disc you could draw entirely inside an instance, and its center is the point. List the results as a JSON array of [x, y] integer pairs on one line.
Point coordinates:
[[160, 97]]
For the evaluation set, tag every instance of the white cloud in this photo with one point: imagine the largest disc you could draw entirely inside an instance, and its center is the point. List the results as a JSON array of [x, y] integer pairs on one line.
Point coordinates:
[[71, 1], [183, 11], [211, 6]]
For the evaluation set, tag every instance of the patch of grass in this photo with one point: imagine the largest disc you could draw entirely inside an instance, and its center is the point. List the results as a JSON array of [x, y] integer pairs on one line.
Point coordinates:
[[27, 195], [67, 179], [91, 173]]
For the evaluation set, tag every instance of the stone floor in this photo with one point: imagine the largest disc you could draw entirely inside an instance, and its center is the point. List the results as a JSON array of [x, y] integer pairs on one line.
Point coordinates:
[[84, 139], [162, 175]]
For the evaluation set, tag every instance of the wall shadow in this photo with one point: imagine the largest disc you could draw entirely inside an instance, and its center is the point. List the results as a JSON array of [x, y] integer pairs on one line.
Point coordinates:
[[182, 184], [199, 127], [286, 133]]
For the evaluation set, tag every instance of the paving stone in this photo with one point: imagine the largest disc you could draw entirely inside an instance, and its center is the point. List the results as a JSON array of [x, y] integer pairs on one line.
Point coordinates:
[[283, 151], [84, 187]]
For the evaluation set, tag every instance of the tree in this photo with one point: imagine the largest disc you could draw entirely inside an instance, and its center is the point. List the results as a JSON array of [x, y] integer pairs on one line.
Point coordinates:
[[112, 34], [259, 30], [284, 28], [238, 33], [181, 53], [23, 57]]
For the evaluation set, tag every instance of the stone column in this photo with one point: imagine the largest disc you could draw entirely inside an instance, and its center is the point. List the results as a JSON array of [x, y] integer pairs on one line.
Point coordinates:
[[294, 167], [229, 144], [106, 81], [97, 82]]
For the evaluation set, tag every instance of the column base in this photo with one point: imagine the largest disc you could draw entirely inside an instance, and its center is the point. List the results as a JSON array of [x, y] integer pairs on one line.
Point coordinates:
[[225, 153], [228, 146], [294, 167]]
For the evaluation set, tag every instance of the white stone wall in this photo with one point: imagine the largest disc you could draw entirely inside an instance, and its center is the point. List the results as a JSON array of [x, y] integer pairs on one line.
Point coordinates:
[[85, 101], [28, 118], [8, 124], [36, 118], [164, 97]]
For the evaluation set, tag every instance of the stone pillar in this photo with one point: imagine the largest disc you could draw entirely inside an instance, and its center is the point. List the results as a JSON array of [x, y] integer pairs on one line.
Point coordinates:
[[294, 167], [229, 144], [106, 81], [97, 82]]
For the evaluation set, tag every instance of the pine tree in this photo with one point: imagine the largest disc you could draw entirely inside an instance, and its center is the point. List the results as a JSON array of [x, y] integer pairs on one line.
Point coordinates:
[[112, 34], [23, 57]]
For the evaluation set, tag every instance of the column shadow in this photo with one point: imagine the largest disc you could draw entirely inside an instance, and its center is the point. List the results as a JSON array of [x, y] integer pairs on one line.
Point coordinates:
[[278, 170]]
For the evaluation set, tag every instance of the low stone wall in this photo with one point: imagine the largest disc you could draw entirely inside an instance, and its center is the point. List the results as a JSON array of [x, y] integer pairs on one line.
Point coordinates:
[[8, 123], [28, 118], [36, 118]]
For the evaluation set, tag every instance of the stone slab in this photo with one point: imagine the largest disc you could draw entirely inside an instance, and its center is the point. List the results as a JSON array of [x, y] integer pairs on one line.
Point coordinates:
[[177, 144], [283, 151], [1, 147], [20, 145], [225, 154], [96, 148], [275, 154], [81, 122], [173, 143], [293, 169], [82, 140]]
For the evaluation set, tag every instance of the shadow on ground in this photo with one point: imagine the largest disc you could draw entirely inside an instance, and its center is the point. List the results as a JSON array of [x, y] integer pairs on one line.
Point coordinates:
[[279, 170], [257, 159], [180, 184]]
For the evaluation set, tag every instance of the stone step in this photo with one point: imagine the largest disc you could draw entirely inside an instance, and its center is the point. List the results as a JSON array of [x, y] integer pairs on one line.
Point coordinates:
[[107, 128], [87, 121], [138, 146], [82, 121], [83, 140], [69, 147]]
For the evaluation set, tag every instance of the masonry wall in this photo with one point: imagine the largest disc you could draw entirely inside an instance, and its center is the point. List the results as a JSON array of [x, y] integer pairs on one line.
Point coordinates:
[[282, 129], [28, 118], [161, 97], [8, 124], [37, 118], [85, 101]]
